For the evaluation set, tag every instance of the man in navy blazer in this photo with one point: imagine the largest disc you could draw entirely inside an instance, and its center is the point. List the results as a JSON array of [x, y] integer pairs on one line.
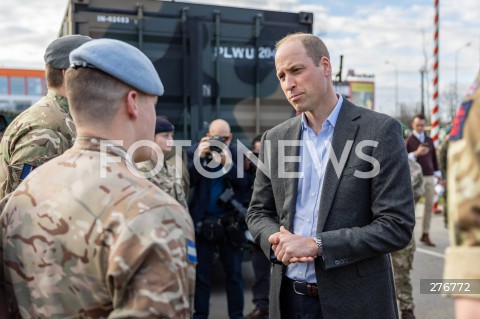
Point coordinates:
[[328, 217], [212, 165]]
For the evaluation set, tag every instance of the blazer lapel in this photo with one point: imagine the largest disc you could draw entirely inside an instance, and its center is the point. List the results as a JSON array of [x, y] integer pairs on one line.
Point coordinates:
[[345, 130], [291, 184]]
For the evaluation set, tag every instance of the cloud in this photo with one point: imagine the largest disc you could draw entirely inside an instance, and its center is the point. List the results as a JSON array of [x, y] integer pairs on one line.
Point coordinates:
[[26, 29], [365, 32]]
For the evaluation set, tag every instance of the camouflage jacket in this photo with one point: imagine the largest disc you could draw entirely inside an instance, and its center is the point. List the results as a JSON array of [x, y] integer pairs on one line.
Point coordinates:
[[40, 133], [166, 179], [416, 176], [463, 256], [181, 169], [96, 241]]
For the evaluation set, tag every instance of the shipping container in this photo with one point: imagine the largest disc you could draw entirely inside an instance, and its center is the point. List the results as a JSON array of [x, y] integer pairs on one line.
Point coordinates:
[[214, 61]]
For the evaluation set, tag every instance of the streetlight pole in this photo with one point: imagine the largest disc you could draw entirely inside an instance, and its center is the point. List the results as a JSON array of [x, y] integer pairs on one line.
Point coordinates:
[[456, 71], [397, 108], [422, 89]]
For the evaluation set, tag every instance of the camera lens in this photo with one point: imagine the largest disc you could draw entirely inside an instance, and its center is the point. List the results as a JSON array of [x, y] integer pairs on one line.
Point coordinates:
[[215, 149]]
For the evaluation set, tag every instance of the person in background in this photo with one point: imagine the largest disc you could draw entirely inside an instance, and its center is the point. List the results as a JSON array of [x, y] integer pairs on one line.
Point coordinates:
[[166, 178], [421, 149], [209, 178], [181, 170], [328, 226], [83, 236], [3, 126], [44, 130], [462, 258], [261, 264], [443, 163]]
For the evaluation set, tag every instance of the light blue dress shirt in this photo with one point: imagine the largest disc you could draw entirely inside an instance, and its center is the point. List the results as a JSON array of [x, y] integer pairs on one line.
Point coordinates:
[[314, 152]]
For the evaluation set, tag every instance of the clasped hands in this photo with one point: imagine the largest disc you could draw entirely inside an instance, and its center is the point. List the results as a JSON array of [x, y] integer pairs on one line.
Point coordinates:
[[290, 248]]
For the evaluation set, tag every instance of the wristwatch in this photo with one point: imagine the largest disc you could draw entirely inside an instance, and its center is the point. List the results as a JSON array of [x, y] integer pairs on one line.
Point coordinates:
[[318, 240]]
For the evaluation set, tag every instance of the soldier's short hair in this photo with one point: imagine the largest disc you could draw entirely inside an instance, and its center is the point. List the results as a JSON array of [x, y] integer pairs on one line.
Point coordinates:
[[53, 76], [93, 95], [314, 46]]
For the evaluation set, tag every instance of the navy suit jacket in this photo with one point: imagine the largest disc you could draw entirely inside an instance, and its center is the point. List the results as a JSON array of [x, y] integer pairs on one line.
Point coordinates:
[[360, 220], [200, 185]]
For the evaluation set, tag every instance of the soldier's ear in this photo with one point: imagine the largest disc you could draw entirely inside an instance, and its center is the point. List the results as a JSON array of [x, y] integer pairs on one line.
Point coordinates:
[[131, 103]]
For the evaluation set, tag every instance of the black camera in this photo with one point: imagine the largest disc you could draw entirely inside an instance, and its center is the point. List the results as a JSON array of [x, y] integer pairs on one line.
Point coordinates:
[[214, 148], [229, 203], [234, 219]]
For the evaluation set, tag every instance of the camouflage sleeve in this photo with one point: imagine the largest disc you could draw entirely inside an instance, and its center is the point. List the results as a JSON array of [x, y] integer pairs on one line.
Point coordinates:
[[442, 158], [3, 296], [149, 272], [185, 180], [34, 148], [463, 256]]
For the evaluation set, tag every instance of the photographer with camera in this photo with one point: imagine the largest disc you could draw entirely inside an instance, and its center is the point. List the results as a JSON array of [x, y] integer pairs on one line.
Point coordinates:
[[212, 165]]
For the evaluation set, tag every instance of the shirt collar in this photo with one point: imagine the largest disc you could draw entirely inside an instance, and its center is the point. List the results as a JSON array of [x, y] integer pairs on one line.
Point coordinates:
[[420, 136], [331, 119], [99, 144]]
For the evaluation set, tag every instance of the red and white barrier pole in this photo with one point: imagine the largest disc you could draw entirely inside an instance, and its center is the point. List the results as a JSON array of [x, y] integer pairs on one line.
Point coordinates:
[[434, 120]]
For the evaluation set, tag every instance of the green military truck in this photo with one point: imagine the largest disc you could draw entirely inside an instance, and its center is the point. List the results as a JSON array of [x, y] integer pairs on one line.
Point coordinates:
[[214, 61]]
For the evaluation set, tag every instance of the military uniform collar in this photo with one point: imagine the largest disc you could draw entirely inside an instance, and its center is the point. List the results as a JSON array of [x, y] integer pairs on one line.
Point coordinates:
[[99, 144], [60, 99]]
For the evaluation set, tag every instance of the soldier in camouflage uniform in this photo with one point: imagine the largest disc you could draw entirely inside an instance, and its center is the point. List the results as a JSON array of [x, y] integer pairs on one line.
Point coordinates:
[[442, 164], [402, 260], [45, 130], [462, 258], [83, 236], [166, 178]]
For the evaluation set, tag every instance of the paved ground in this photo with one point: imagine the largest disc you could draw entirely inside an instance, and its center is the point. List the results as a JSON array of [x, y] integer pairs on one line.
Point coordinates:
[[428, 264]]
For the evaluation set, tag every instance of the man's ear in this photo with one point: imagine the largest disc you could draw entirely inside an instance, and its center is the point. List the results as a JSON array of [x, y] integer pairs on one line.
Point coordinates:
[[327, 66], [132, 108]]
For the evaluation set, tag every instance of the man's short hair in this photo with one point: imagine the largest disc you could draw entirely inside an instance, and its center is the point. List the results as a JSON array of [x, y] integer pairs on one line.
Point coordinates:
[[256, 139], [314, 46], [53, 76], [419, 116], [101, 74], [93, 95]]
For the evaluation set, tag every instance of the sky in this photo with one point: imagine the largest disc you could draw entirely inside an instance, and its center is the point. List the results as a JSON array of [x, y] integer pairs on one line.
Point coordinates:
[[366, 33]]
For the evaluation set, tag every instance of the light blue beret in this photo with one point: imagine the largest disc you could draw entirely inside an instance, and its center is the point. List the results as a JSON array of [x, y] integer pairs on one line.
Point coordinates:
[[120, 60]]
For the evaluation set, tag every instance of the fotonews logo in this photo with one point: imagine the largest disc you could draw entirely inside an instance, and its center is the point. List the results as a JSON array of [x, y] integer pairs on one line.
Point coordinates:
[[220, 161]]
